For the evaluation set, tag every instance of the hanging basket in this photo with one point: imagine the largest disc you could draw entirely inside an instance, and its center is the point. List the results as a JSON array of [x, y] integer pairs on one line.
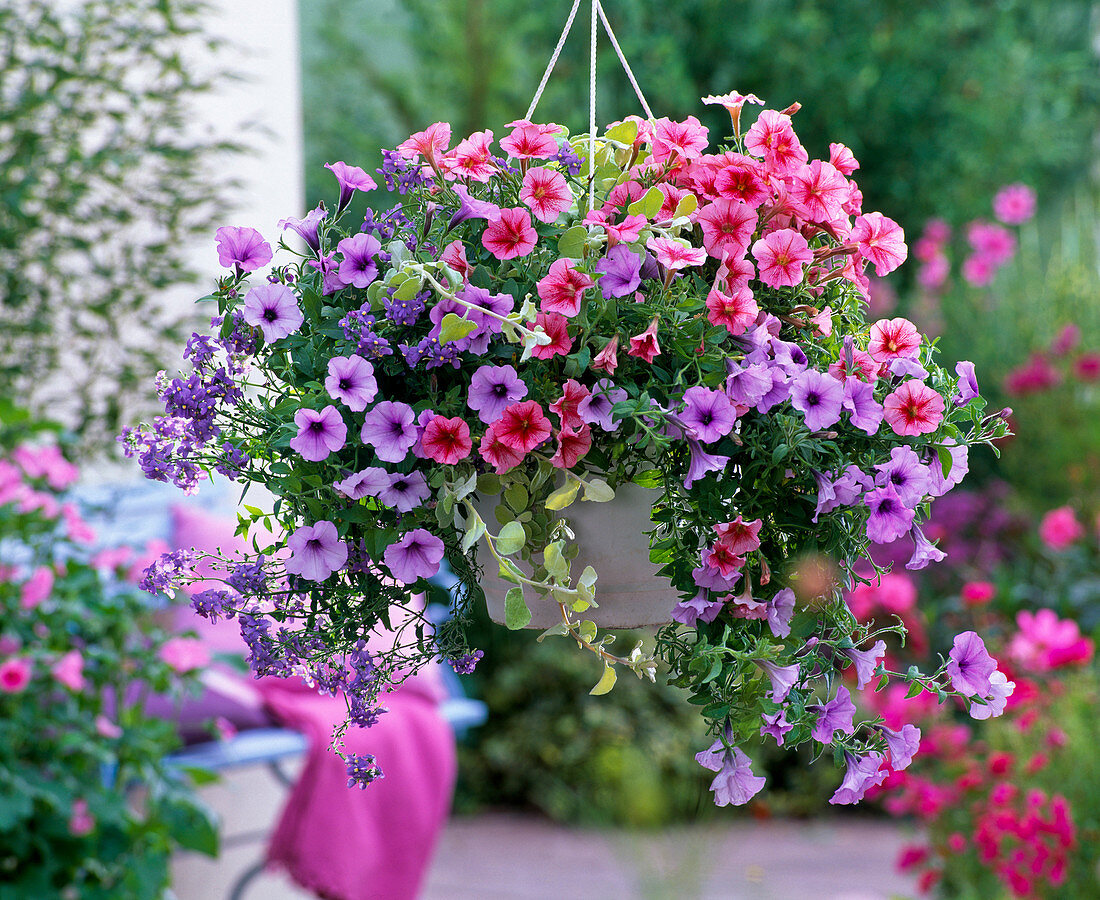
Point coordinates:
[[612, 539]]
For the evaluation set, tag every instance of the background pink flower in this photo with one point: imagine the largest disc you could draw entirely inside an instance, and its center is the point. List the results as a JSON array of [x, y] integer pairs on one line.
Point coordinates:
[[1059, 528]]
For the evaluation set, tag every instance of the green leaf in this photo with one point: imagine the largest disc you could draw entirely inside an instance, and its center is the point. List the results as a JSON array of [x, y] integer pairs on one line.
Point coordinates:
[[454, 328], [624, 133], [516, 613], [563, 496], [489, 483], [598, 491], [475, 529], [559, 630], [606, 682], [571, 243], [511, 539], [516, 497], [189, 821], [587, 630], [945, 460], [556, 564], [648, 206], [687, 205], [408, 289], [914, 690]]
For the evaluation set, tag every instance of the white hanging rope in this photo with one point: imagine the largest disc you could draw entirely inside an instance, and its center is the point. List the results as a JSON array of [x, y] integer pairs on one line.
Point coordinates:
[[626, 65], [553, 59], [592, 110]]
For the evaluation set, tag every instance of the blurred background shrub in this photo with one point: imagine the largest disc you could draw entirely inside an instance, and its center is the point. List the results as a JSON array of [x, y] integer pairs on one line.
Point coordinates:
[[101, 191]]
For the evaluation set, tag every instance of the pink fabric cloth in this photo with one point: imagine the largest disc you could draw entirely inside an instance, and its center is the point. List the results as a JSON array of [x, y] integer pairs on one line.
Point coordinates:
[[339, 842]]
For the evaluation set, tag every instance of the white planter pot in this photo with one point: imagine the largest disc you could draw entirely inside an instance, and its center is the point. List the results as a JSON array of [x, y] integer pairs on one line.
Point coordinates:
[[612, 540]]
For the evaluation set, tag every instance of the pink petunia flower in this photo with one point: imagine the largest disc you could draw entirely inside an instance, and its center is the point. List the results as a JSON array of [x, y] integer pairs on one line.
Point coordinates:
[[565, 407], [562, 288], [472, 158], [742, 179], [818, 192], [677, 142], [529, 140], [892, 339], [674, 255], [546, 192], [431, 144], [523, 426], [454, 255], [644, 345], [727, 227], [607, 360], [572, 446], [881, 241], [843, 159], [15, 674], [736, 312], [510, 236], [1045, 642], [498, 454], [627, 231], [914, 408], [556, 326], [780, 257], [447, 441], [772, 137]]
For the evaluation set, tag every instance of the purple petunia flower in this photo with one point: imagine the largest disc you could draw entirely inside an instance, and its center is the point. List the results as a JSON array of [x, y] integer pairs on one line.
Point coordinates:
[[778, 392], [902, 366], [902, 745], [708, 414], [863, 772], [1000, 689], [735, 783], [595, 409], [780, 610], [274, 309], [351, 379], [865, 412], [924, 551], [621, 270], [416, 555], [358, 268], [308, 229], [242, 247], [390, 429], [968, 383], [472, 208], [702, 462], [747, 385], [319, 433], [712, 579], [890, 518], [776, 725], [364, 483], [834, 716], [866, 661], [688, 612], [819, 396], [783, 678], [492, 390], [316, 551], [970, 665], [405, 492], [351, 179], [905, 472], [938, 485], [789, 357]]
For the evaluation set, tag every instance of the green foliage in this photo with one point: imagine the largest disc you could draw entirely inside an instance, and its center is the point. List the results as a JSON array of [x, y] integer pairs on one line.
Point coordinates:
[[74, 755], [941, 103], [101, 191]]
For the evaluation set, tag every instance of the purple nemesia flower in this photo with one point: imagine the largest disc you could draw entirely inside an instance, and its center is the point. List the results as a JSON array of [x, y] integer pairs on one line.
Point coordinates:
[[819, 396], [319, 433], [708, 414], [776, 725], [688, 612], [924, 551], [968, 383], [969, 665], [472, 208], [316, 551], [351, 379], [242, 247], [865, 412], [1000, 689], [866, 661], [938, 485], [746, 385], [780, 610], [901, 744], [274, 309], [863, 772], [734, 784], [834, 716], [890, 518], [358, 268], [467, 662], [492, 390], [621, 270], [351, 179], [390, 429], [405, 312], [362, 770], [364, 483], [702, 462], [783, 678], [905, 472], [405, 492], [308, 229], [902, 366], [566, 158], [415, 556], [213, 604], [595, 409]]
